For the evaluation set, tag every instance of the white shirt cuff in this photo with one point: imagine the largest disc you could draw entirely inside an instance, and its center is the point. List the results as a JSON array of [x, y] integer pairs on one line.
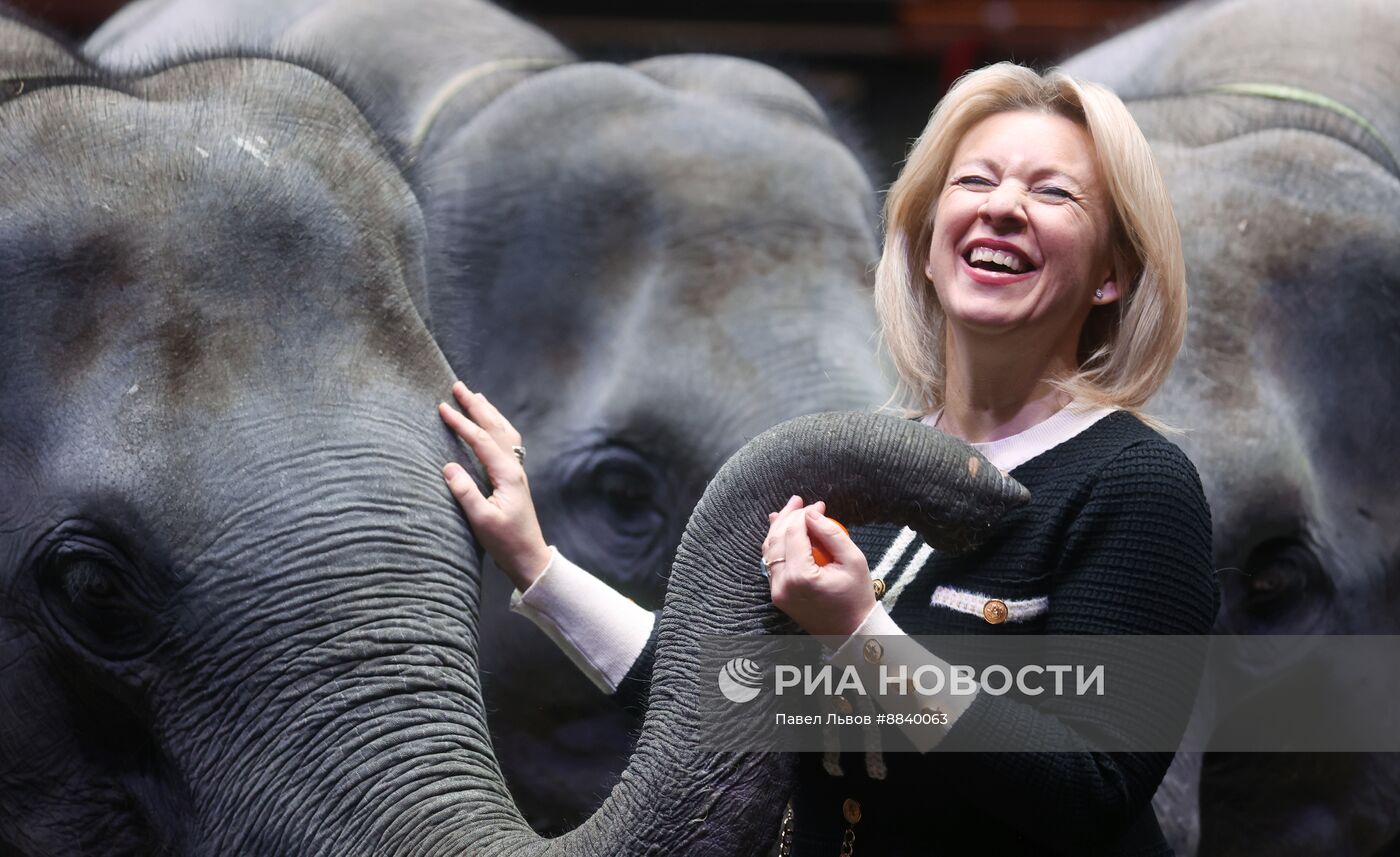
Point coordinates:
[[879, 641], [601, 630]]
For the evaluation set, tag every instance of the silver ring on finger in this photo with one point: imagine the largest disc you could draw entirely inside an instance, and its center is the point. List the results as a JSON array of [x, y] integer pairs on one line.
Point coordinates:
[[769, 563], [519, 454]]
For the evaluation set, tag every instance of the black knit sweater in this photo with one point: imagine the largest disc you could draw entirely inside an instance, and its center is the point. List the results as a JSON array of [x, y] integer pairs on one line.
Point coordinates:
[[1117, 536]]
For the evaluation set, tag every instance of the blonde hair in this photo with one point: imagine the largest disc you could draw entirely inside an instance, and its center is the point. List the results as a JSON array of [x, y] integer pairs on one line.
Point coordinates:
[[1127, 347]]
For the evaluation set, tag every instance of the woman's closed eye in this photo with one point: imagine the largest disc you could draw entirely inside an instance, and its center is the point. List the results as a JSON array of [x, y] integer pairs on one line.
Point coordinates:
[[982, 183]]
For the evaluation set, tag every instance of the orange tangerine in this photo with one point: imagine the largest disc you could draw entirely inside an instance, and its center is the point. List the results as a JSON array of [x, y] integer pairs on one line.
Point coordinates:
[[821, 557]]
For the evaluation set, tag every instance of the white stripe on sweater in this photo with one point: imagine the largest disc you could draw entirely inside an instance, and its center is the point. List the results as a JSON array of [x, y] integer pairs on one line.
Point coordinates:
[[896, 550], [911, 570], [972, 603]]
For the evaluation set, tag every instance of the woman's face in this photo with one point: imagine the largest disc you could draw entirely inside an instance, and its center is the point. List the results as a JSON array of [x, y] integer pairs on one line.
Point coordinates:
[[1021, 231]]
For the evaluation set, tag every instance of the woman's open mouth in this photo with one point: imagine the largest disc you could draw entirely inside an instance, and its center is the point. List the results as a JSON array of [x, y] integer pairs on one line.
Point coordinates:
[[995, 266]]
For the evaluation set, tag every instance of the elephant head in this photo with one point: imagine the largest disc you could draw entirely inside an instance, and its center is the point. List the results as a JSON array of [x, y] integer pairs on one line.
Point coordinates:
[[678, 253], [1276, 126], [235, 603]]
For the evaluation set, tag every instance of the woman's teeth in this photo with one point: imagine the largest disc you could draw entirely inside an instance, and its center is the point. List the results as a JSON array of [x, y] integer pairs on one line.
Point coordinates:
[[993, 259]]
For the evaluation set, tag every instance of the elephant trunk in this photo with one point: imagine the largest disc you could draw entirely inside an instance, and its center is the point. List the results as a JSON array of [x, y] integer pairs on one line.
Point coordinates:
[[366, 735], [675, 796]]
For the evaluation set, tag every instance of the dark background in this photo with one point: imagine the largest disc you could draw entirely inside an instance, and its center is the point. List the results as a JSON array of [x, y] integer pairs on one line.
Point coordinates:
[[879, 65]]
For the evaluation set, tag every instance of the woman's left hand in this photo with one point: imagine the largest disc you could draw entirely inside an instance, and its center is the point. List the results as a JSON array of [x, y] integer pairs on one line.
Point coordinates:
[[831, 599]]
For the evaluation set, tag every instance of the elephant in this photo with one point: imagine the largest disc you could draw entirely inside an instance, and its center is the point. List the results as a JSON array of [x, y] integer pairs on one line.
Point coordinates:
[[643, 266], [236, 608], [1277, 127]]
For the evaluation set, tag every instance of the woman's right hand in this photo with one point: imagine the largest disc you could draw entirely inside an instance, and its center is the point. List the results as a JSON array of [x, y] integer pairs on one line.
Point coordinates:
[[505, 523]]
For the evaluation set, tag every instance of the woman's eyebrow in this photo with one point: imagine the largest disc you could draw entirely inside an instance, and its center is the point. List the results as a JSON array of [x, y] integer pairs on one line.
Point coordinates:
[[1057, 175], [975, 163]]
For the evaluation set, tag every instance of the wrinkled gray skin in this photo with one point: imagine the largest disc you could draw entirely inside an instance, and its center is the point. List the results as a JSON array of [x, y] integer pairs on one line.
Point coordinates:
[[643, 266], [1287, 381]]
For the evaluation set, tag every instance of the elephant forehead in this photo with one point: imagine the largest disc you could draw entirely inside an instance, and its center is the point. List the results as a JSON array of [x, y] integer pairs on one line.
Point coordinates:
[[194, 323], [190, 255], [709, 159], [1282, 266], [1324, 267], [731, 349], [1285, 380], [672, 165]]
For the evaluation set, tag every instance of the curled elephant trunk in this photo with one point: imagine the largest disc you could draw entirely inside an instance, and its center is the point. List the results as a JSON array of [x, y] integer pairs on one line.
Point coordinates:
[[675, 796]]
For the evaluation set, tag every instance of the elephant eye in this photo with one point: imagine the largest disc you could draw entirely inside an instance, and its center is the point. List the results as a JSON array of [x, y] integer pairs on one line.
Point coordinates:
[[87, 583], [85, 593], [629, 491], [617, 507], [1283, 589]]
